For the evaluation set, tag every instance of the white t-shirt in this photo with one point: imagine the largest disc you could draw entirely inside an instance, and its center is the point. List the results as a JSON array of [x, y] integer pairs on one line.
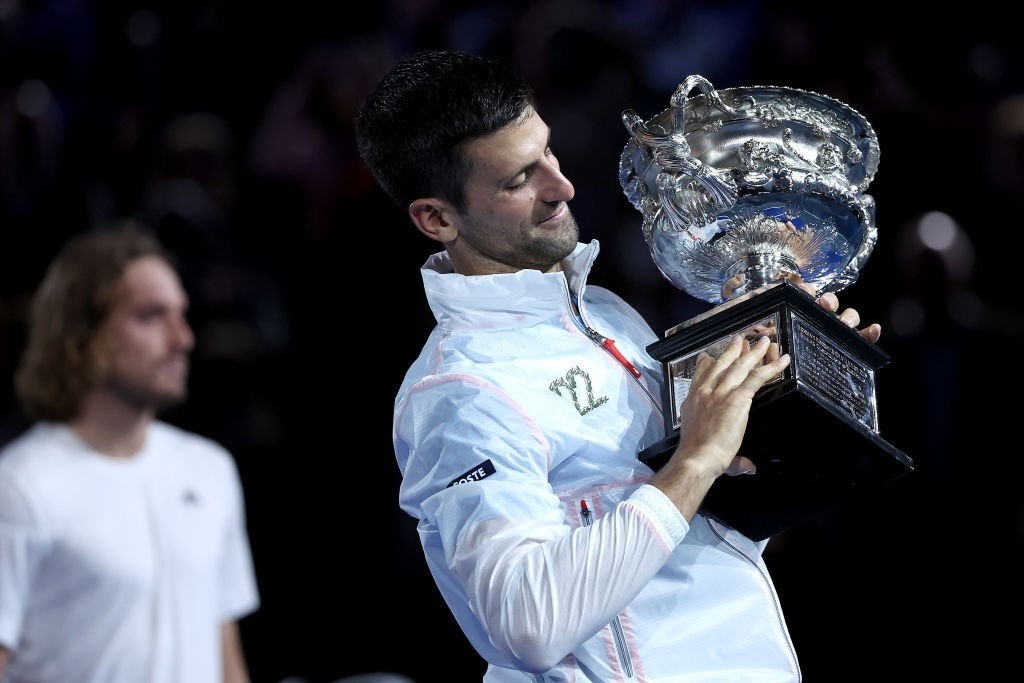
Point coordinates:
[[120, 570]]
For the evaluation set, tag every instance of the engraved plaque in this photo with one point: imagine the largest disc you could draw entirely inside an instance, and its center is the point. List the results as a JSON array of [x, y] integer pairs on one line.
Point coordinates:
[[834, 373]]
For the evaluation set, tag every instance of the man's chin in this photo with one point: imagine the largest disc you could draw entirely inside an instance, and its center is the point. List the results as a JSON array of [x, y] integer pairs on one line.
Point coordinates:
[[149, 396], [167, 401], [159, 402]]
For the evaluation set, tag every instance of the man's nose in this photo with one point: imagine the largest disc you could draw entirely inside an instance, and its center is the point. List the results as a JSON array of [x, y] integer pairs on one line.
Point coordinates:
[[182, 334], [557, 188]]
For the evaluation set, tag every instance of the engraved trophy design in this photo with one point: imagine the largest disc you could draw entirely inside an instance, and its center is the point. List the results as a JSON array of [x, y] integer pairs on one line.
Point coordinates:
[[744, 192]]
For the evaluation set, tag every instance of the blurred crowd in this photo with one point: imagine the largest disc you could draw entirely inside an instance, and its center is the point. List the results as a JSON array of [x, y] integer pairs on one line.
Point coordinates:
[[228, 129]]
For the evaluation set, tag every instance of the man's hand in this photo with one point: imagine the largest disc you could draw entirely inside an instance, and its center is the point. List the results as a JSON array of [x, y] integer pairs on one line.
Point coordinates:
[[850, 316], [713, 419]]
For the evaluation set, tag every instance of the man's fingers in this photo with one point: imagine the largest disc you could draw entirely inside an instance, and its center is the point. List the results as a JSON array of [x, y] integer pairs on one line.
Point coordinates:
[[755, 366], [829, 301], [760, 375], [871, 333], [712, 366], [741, 465], [741, 364], [850, 316]]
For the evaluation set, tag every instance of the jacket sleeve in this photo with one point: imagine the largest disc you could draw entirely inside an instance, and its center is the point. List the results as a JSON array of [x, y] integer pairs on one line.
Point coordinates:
[[525, 586]]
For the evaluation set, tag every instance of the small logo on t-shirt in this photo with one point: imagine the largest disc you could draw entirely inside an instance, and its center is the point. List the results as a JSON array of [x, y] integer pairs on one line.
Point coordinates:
[[481, 471], [190, 497]]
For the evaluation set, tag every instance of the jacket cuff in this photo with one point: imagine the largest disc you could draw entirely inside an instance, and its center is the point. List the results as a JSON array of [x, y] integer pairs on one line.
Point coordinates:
[[661, 510]]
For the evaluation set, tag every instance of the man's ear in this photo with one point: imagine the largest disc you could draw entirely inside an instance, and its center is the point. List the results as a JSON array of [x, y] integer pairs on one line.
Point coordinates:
[[432, 218]]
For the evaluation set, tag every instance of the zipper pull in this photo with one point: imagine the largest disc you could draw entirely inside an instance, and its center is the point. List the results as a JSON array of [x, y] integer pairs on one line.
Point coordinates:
[[607, 343], [585, 513], [612, 349]]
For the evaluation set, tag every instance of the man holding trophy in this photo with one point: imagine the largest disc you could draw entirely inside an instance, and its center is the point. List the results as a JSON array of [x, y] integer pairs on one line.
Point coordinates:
[[519, 428]]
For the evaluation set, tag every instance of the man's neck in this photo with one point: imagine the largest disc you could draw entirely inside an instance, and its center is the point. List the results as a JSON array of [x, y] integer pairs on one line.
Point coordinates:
[[475, 264], [110, 427]]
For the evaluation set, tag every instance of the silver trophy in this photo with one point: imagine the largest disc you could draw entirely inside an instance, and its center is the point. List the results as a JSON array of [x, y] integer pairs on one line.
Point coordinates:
[[745, 192]]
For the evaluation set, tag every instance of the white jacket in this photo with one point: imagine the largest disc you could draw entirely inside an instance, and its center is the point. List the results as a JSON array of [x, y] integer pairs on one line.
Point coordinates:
[[516, 432]]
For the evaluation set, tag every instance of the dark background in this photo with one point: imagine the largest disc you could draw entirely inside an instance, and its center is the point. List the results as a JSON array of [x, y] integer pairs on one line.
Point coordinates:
[[227, 127]]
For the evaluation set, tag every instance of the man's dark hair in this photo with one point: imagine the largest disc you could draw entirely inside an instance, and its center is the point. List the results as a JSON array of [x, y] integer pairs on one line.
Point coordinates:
[[412, 128]]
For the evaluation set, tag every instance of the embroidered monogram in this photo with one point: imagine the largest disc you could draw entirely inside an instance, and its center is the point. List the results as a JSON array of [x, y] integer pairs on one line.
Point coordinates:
[[571, 384]]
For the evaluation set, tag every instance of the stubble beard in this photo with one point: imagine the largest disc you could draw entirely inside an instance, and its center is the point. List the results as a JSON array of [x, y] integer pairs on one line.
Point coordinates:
[[143, 396], [532, 248], [552, 249]]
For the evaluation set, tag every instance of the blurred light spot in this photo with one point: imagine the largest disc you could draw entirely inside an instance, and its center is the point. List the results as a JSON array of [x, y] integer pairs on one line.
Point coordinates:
[[1008, 116], [143, 28], [906, 317], [33, 98], [939, 233], [987, 62], [9, 8], [937, 230]]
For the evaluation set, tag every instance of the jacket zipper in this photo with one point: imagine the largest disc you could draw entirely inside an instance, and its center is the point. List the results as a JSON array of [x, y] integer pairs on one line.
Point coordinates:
[[609, 345], [616, 626], [771, 589]]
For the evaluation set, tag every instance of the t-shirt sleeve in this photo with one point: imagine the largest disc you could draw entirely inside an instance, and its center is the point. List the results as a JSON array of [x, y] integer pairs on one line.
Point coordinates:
[[23, 546], [237, 576]]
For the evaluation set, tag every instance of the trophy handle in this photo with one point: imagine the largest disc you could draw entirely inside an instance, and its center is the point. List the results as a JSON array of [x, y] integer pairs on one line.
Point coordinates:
[[682, 92], [690, 192]]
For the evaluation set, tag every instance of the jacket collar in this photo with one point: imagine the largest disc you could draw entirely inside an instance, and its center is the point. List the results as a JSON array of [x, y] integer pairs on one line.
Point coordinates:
[[506, 300]]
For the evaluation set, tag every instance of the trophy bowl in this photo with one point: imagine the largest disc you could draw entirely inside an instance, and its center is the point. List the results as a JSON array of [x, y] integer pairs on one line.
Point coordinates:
[[714, 175], [745, 192]]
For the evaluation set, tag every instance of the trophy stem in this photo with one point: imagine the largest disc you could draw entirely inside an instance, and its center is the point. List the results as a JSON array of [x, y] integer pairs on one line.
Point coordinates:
[[754, 271]]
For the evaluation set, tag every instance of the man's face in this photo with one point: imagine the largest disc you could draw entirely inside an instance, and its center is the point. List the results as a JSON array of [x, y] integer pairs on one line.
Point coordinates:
[[146, 340], [516, 214]]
